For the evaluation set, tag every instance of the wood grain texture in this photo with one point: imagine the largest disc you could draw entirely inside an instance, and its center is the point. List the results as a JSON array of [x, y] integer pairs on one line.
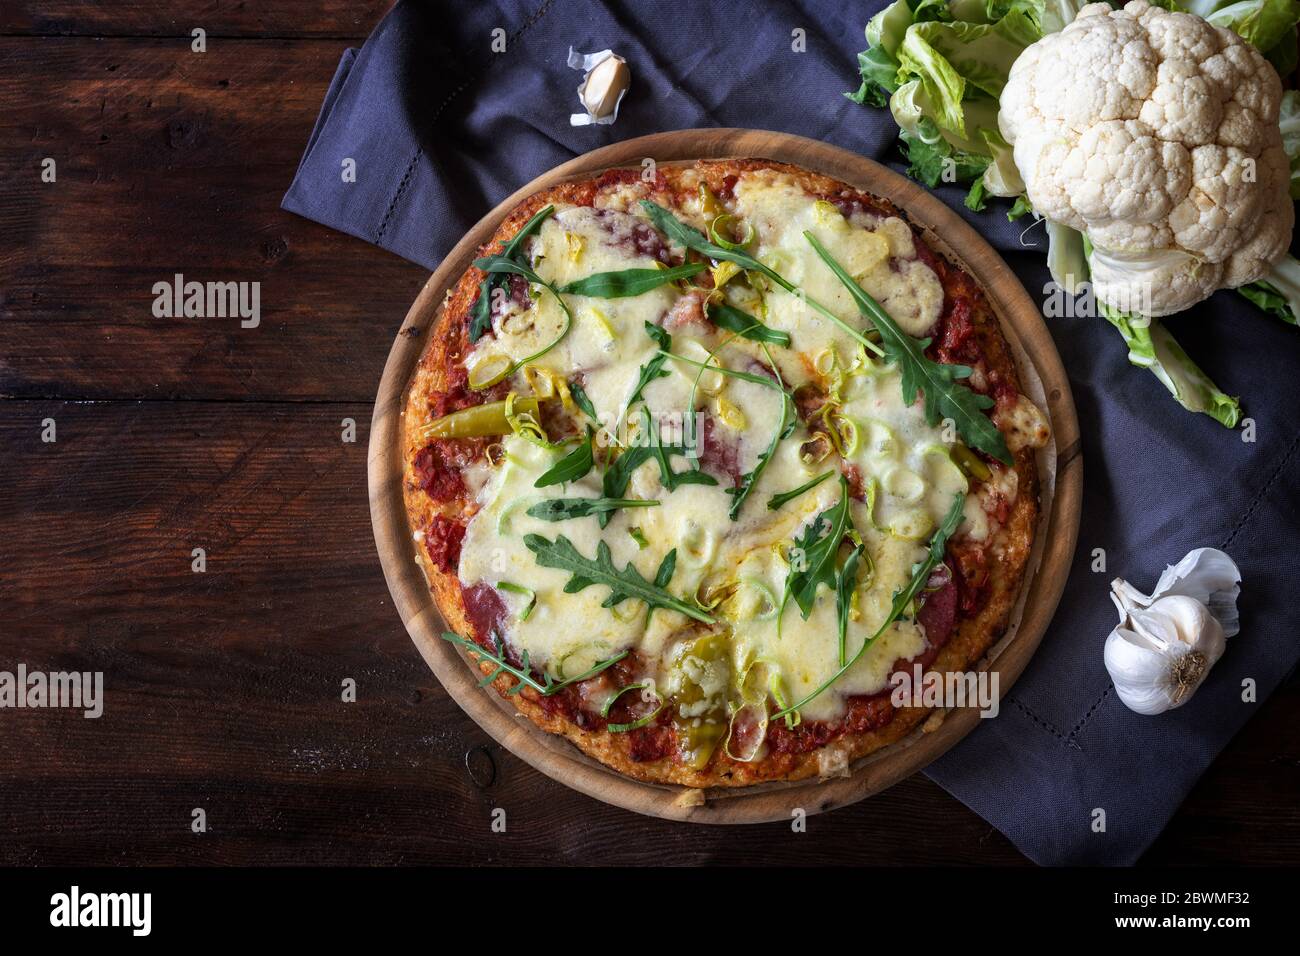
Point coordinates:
[[176, 18], [223, 689], [1023, 325], [169, 161]]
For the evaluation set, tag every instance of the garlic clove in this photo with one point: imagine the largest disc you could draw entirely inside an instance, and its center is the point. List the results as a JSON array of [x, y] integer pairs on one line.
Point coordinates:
[[605, 81], [605, 85], [1161, 654]]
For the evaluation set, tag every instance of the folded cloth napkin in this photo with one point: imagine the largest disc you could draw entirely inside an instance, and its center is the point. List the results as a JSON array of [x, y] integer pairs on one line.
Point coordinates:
[[441, 128]]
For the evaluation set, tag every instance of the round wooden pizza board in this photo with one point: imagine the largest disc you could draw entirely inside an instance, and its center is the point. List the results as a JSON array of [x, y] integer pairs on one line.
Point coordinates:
[[1058, 529]]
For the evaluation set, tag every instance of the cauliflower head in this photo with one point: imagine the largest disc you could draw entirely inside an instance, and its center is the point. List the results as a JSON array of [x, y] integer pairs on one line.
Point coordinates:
[[1157, 135]]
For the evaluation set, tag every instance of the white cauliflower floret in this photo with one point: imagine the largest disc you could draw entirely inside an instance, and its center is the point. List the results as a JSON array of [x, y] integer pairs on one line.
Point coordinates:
[[1156, 134]]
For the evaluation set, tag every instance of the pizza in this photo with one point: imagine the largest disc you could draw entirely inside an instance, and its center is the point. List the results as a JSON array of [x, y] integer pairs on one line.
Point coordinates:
[[698, 459]]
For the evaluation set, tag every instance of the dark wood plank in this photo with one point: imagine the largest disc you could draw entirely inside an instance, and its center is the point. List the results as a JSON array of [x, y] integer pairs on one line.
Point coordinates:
[[170, 161], [176, 18], [223, 688]]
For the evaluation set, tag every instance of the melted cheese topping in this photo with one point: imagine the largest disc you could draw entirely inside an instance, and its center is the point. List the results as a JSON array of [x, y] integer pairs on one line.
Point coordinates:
[[742, 564]]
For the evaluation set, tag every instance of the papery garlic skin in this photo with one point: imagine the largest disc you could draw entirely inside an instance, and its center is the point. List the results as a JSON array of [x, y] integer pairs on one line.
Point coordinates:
[[1167, 641], [1163, 653], [1206, 574]]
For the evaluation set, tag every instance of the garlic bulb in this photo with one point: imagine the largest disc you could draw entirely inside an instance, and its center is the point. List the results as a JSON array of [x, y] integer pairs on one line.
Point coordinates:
[[1167, 641]]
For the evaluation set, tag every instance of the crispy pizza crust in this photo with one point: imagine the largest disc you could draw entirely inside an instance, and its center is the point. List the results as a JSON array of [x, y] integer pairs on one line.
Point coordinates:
[[441, 372]]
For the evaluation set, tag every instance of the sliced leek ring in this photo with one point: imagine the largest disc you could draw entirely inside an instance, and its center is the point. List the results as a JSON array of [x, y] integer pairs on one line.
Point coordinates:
[[595, 654], [873, 490], [877, 440], [825, 362], [528, 594], [489, 370], [767, 604], [517, 323], [816, 449], [632, 612], [724, 223], [511, 506], [903, 483], [709, 596], [697, 546], [849, 434], [540, 380]]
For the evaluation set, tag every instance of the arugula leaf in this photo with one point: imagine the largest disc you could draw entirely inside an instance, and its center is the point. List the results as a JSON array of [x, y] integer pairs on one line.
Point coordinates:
[[562, 509], [619, 474], [679, 232], [580, 398], [624, 585], [817, 549], [902, 598], [750, 478], [481, 317], [670, 479], [630, 282], [609, 702], [666, 568], [636, 724], [502, 265], [745, 325], [943, 395], [546, 686], [654, 368], [844, 584], [723, 370], [665, 574], [785, 497], [571, 467]]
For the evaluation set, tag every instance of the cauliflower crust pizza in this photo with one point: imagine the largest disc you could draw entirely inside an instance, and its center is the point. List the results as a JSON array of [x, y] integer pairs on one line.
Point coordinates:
[[697, 463]]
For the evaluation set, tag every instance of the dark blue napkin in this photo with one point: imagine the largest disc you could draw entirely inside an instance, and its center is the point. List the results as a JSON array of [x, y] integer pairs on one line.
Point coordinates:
[[441, 129]]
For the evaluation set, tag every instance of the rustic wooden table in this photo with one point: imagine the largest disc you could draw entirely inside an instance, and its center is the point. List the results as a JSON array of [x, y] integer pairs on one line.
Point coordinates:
[[224, 687]]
